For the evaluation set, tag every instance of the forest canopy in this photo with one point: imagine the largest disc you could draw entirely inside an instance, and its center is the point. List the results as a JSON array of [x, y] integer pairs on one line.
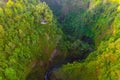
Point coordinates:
[[23, 38], [59, 39]]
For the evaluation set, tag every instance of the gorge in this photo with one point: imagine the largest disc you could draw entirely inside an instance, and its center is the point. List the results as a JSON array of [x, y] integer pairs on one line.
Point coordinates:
[[59, 40]]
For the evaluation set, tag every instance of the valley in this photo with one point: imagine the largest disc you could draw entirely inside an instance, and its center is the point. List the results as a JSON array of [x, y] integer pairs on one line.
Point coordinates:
[[59, 40]]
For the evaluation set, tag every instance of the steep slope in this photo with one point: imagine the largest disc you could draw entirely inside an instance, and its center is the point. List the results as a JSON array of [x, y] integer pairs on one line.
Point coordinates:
[[31, 43], [76, 41], [103, 63], [28, 36]]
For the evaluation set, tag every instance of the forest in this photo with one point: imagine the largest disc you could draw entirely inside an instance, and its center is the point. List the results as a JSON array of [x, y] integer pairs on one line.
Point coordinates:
[[59, 39]]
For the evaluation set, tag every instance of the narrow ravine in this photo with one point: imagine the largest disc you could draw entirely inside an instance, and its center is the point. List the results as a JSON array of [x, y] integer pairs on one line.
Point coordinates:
[[59, 39], [53, 68], [79, 44]]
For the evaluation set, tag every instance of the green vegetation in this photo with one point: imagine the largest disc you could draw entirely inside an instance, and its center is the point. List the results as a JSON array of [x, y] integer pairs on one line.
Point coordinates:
[[23, 38], [84, 32], [103, 63]]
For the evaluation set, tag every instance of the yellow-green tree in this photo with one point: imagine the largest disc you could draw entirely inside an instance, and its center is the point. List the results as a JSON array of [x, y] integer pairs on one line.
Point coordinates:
[[23, 38]]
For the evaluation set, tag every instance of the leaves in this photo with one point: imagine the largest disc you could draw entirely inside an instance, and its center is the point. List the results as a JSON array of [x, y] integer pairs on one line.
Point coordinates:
[[10, 74], [102, 20], [1, 32], [22, 37]]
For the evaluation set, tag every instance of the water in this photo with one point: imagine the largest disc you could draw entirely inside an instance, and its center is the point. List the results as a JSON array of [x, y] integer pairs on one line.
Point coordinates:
[[49, 72]]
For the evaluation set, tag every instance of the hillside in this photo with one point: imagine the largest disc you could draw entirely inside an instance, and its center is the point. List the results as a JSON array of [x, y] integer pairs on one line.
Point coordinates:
[[101, 23], [59, 39]]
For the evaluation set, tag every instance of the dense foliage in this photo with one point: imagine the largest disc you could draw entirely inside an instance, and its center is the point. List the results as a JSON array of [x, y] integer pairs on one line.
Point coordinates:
[[23, 38], [85, 38], [102, 18], [77, 40]]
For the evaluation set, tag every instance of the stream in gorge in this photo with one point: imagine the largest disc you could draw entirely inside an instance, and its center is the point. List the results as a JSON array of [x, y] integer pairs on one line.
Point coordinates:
[[49, 72], [46, 72]]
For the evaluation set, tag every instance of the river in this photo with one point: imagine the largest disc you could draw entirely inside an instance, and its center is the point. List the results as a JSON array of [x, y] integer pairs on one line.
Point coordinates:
[[50, 70]]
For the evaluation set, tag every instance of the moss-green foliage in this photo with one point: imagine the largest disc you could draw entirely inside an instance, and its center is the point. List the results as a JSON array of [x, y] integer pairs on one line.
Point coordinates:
[[23, 37], [73, 27], [78, 71], [103, 63]]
